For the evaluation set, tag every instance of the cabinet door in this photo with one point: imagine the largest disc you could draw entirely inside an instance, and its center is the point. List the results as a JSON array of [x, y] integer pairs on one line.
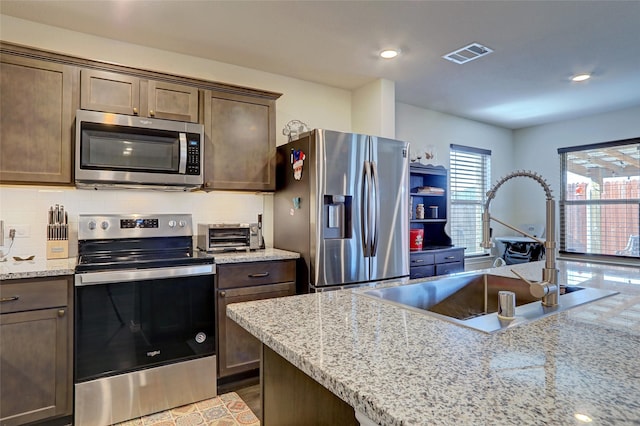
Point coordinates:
[[240, 143], [109, 92], [172, 101], [34, 378], [238, 350], [38, 104]]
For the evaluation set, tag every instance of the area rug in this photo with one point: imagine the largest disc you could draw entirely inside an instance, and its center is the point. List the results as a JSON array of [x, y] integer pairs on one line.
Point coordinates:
[[224, 410]]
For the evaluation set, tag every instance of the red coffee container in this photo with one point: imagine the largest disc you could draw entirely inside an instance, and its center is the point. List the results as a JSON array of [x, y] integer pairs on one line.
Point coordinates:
[[415, 239]]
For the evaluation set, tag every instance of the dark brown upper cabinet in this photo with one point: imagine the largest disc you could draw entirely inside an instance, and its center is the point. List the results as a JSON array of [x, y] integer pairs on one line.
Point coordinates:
[[126, 94], [240, 146], [41, 92], [38, 104]]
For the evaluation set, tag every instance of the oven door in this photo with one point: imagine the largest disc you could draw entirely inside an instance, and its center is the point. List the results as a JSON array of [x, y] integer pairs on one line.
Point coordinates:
[[134, 319]]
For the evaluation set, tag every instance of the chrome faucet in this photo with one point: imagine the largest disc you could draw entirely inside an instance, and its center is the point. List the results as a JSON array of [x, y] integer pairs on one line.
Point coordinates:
[[548, 289]]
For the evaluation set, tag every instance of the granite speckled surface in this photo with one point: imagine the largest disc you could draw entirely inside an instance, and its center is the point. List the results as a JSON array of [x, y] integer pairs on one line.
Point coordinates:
[[400, 367], [254, 256], [36, 268]]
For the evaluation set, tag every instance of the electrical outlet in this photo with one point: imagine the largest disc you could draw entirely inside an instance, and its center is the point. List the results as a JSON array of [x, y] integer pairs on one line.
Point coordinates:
[[22, 231]]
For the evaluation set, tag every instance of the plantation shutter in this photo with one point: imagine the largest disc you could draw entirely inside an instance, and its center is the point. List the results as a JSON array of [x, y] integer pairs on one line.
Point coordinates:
[[470, 174]]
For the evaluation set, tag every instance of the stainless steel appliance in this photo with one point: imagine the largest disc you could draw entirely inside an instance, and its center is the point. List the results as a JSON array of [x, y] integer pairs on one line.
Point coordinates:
[[144, 317], [114, 150], [342, 202], [229, 237]]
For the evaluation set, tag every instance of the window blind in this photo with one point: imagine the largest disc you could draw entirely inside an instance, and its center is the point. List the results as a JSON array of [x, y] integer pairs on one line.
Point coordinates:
[[470, 175], [600, 199]]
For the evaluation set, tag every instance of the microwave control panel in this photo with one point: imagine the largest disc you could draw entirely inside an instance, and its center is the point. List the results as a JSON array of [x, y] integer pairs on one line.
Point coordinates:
[[193, 156]]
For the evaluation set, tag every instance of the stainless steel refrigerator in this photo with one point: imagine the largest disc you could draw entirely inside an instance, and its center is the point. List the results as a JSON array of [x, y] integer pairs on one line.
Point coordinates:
[[341, 201]]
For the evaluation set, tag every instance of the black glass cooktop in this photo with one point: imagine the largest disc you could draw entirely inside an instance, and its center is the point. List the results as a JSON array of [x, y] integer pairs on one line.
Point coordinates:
[[138, 253]]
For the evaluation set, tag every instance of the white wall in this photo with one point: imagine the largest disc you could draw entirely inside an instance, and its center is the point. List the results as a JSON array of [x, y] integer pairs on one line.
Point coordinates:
[[536, 148], [373, 109]]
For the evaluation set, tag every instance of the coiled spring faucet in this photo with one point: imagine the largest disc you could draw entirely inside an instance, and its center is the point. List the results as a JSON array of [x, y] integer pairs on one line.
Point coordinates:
[[548, 289]]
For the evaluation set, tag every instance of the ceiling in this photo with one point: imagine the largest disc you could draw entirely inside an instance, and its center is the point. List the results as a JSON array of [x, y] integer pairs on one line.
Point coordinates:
[[537, 46]]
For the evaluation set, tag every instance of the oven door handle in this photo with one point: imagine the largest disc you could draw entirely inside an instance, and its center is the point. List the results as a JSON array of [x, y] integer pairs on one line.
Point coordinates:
[[106, 277]]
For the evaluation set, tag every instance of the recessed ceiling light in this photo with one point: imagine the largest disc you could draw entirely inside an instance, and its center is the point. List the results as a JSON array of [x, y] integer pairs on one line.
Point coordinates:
[[583, 418], [580, 77], [389, 53]]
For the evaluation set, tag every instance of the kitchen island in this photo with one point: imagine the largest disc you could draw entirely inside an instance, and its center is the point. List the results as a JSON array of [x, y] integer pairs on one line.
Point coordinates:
[[395, 366]]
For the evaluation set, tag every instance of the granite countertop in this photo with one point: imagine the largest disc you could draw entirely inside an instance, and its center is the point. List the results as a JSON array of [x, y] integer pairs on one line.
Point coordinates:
[[400, 367], [254, 256], [37, 268]]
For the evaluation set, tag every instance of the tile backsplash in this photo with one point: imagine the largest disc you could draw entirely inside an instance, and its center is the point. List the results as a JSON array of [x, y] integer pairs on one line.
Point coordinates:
[[25, 208]]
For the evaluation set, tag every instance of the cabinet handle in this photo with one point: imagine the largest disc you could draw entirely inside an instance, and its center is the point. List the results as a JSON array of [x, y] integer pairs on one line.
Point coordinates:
[[9, 299], [418, 261], [152, 113], [223, 293], [259, 275], [135, 111], [61, 313], [450, 257]]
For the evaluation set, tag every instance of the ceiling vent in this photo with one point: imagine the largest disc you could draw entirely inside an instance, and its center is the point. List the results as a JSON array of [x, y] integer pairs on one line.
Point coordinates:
[[467, 53]]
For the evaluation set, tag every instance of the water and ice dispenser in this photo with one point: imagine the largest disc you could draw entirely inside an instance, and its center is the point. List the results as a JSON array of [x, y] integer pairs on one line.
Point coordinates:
[[337, 214]]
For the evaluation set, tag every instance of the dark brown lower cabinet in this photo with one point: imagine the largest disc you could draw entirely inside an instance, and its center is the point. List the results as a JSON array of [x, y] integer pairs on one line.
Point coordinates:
[[35, 350], [238, 351], [290, 397]]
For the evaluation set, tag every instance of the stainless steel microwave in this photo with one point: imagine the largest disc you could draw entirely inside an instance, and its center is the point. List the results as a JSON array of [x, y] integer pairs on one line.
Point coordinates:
[[229, 237], [120, 150]]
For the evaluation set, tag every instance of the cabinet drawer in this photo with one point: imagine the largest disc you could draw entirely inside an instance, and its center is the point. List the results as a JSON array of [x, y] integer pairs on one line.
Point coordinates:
[[255, 273], [420, 259], [449, 256], [422, 271], [30, 295], [449, 268]]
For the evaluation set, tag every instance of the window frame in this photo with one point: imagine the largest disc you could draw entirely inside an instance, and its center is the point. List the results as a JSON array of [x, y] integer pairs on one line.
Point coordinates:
[[565, 204]]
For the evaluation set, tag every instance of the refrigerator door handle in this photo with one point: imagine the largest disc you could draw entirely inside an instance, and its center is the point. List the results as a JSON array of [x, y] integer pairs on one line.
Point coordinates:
[[366, 209], [375, 208]]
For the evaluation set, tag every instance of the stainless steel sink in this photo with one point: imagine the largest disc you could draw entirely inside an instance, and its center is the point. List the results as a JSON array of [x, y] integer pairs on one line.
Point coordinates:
[[471, 300]]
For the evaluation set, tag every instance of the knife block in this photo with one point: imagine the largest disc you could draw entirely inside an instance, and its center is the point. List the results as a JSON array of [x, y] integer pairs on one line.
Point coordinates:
[[57, 249]]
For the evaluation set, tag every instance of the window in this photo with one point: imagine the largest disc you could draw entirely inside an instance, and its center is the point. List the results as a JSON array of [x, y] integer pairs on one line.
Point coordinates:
[[600, 199], [470, 170]]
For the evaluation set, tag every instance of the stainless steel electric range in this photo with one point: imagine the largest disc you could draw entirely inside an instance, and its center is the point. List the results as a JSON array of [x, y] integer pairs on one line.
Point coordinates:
[[144, 323]]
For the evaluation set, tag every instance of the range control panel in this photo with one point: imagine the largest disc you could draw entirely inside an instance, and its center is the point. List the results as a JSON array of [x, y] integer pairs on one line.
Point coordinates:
[[138, 223], [116, 226]]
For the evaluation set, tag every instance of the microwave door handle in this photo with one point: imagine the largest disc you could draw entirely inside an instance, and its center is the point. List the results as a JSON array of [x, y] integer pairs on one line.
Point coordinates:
[[182, 168]]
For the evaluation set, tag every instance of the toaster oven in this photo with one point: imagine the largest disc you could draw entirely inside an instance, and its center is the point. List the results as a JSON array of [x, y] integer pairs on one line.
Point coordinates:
[[229, 237]]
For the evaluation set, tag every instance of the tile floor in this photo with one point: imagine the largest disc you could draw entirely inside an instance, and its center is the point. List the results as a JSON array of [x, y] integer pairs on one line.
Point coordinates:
[[224, 410]]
